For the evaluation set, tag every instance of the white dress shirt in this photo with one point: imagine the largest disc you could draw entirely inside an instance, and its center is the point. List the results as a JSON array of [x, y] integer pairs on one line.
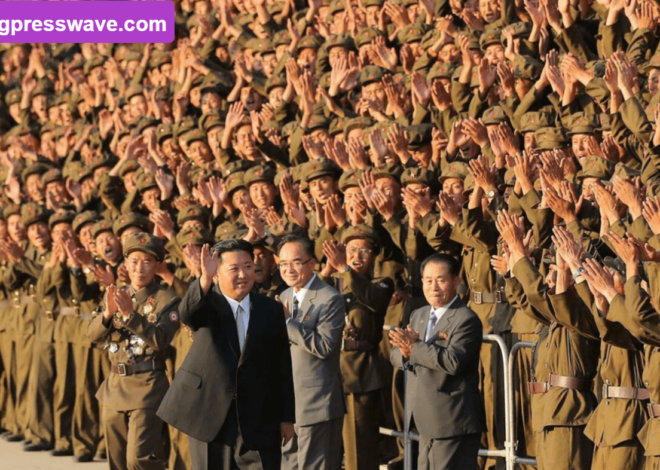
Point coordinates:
[[437, 313], [245, 303]]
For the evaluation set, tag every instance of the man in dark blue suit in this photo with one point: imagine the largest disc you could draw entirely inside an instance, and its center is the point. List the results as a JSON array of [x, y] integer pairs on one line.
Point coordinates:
[[233, 394], [440, 348]]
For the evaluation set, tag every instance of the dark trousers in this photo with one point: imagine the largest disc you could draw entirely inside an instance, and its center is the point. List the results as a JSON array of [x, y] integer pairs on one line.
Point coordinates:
[[454, 453], [217, 455]]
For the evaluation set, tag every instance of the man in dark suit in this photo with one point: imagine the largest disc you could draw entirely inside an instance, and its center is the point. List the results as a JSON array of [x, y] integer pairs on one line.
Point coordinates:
[[441, 348], [233, 394]]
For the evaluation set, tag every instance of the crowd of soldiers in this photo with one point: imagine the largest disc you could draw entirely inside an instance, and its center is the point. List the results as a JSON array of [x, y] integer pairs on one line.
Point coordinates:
[[519, 136]]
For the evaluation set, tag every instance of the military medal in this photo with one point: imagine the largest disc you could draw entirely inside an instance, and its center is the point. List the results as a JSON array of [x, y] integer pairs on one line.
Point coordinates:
[[114, 347]]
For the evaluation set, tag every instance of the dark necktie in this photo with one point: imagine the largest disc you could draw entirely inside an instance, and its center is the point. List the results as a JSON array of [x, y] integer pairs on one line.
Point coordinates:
[[296, 309], [432, 321]]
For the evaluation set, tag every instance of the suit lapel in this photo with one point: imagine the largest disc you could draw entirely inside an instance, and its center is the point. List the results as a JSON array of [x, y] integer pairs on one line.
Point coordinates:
[[256, 325], [308, 301], [423, 322]]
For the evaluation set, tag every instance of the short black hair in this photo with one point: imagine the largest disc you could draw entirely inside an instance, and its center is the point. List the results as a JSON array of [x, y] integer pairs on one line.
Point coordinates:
[[233, 244], [306, 243], [452, 263]]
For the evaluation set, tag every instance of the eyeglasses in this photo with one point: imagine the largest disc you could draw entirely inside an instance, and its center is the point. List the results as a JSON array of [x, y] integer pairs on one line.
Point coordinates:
[[361, 251], [293, 264]]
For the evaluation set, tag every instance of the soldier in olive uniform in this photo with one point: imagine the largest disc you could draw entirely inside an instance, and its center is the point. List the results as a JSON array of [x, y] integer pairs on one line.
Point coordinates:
[[137, 324], [364, 372]]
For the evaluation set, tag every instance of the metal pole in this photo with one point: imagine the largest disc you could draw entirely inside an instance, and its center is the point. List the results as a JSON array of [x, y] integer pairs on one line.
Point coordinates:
[[512, 459], [509, 444], [407, 441]]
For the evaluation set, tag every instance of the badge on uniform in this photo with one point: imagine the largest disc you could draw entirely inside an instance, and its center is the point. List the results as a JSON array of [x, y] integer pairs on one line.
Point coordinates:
[[174, 317], [114, 347]]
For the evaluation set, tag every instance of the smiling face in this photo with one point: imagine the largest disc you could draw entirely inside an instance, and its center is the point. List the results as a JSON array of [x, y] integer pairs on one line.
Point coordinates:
[[298, 265], [235, 275], [438, 284], [39, 235], [15, 227], [264, 263], [360, 256], [141, 269], [263, 194]]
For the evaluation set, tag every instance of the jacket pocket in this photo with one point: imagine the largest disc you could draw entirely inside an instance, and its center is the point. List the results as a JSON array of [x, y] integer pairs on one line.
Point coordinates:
[[189, 378]]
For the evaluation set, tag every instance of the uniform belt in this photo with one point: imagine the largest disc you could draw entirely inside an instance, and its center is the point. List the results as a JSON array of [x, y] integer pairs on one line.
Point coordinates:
[[123, 370], [488, 297], [631, 393], [654, 410], [356, 345], [562, 381], [70, 311]]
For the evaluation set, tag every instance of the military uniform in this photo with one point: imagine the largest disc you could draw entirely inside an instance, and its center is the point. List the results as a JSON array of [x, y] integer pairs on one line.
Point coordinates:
[[137, 347]]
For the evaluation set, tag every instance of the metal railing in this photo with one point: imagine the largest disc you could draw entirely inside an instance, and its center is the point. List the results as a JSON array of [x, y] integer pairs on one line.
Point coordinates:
[[510, 442]]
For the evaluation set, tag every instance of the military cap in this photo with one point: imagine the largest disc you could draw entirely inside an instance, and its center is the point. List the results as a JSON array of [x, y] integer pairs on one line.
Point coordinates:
[[48, 127], [276, 81], [488, 38], [131, 55], [192, 212], [360, 122], [235, 181], [210, 120], [410, 33], [366, 36], [372, 3], [371, 74], [102, 159], [19, 131], [61, 217], [261, 46], [134, 91], [360, 232], [146, 181], [509, 178], [131, 219], [583, 123], [336, 6], [339, 40], [96, 60], [535, 120], [309, 42], [624, 171], [244, 18], [236, 166], [549, 138], [318, 121], [163, 93], [349, 179], [164, 132], [494, 115], [527, 67], [418, 176], [77, 64], [281, 38], [319, 168], [468, 184], [194, 236], [72, 170], [211, 84], [596, 167], [51, 102], [159, 59], [32, 213], [654, 63], [419, 135], [194, 135], [11, 209], [275, 7], [441, 70], [389, 171], [228, 231], [51, 176], [84, 218], [455, 170], [144, 123], [42, 88], [127, 167], [186, 124], [35, 169], [473, 42], [13, 96], [430, 38], [259, 173], [145, 243]]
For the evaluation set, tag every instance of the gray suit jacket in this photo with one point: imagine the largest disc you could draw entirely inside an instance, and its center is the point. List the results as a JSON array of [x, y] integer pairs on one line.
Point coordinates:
[[315, 337], [443, 383]]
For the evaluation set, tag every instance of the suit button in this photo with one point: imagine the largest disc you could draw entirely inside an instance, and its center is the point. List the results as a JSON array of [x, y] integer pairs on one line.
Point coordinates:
[[608, 403]]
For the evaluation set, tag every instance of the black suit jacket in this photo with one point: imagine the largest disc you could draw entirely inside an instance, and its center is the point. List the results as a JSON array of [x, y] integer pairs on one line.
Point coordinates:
[[215, 371], [443, 386]]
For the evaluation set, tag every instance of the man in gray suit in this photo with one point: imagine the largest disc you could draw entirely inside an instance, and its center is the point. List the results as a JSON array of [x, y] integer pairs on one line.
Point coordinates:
[[315, 320], [441, 349]]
